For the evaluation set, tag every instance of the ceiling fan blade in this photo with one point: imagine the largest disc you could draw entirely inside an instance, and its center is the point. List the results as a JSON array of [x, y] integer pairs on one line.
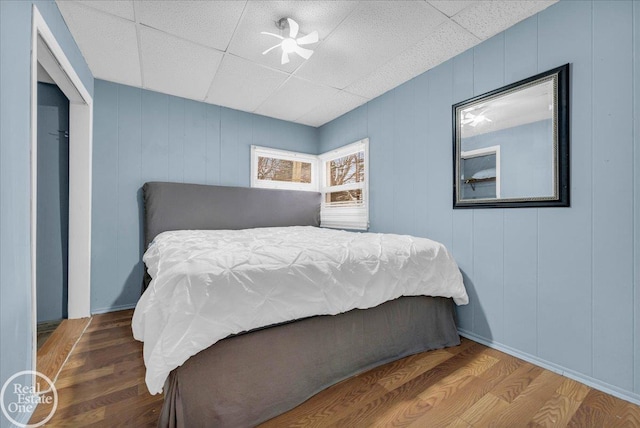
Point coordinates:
[[304, 53], [271, 34], [270, 49], [285, 58], [308, 39], [293, 28]]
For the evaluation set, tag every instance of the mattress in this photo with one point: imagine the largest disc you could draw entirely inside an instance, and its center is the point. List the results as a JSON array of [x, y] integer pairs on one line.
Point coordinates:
[[208, 285]]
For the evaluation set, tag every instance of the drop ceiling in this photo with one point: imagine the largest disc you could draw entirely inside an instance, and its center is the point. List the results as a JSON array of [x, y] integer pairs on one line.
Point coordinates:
[[211, 51]]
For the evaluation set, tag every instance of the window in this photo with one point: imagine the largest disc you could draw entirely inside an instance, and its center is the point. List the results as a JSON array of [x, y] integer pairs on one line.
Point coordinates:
[[344, 185], [281, 169], [340, 175]]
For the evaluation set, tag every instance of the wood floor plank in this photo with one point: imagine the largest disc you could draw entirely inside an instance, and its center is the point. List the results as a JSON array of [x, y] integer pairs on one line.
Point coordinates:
[[481, 414], [509, 389], [587, 416], [101, 384], [574, 390], [457, 404], [54, 352], [408, 392], [426, 361], [525, 406], [556, 412]]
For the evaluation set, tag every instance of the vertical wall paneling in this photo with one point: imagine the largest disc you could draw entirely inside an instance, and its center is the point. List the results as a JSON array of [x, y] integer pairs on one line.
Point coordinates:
[[229, 129], [142, 136], [402, 143], [212, 144], [243, 153], [488, 274], [462, 220], [195, 134], [553, 284], [15, 257], [565, 235], [520, 279], [104, 202], [176, 139], [488, 225], [439, 164], [155, 136], [612, 168], [346, 129], [521, 225], [420, 160], [636, 188], [129, 145], [381, 157]]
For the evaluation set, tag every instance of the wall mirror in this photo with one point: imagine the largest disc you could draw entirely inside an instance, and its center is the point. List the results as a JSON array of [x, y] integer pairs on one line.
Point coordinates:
[[511, 145]]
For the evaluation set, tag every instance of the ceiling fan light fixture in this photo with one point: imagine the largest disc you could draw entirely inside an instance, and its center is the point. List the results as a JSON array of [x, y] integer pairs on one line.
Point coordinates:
[[291, 44]]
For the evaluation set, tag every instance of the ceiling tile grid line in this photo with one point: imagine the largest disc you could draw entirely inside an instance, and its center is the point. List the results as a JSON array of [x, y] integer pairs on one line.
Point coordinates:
[[212, 51], [142, 82]]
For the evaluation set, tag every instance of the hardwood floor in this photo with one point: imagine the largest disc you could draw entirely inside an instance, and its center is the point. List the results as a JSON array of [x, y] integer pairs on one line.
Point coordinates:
[[102, 384], [53, 353]]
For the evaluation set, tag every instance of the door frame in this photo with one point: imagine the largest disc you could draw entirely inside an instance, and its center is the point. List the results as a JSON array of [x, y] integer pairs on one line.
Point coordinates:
[[47, 51]]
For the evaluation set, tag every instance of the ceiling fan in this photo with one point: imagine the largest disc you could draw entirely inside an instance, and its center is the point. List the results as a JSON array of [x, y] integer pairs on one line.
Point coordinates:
[[292, 44], [474, 119]]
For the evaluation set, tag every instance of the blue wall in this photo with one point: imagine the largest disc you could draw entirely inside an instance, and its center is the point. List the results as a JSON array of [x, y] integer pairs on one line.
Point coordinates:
[[559, 286], [15, 116], [142, 136]]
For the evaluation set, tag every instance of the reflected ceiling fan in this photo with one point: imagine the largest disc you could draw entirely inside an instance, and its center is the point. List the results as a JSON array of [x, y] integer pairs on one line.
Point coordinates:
[[292, 44], [474, 119]]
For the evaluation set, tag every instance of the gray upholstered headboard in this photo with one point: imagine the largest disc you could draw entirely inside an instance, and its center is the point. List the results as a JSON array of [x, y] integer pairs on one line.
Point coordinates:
[[178, 206]]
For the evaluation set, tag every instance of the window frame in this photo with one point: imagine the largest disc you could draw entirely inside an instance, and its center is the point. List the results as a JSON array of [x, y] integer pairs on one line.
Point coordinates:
[[354, 217], [259, 151], [356, 222]]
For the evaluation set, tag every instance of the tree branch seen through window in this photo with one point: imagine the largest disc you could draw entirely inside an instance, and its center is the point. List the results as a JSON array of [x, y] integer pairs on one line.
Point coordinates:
[[283, 170]]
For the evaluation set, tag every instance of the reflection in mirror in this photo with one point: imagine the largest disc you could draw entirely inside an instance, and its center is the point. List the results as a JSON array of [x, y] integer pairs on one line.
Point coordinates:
[[511, 145]]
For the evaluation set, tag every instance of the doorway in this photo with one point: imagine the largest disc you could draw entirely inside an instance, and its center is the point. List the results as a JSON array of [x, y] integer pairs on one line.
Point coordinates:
[[52, 235], [47, 53]]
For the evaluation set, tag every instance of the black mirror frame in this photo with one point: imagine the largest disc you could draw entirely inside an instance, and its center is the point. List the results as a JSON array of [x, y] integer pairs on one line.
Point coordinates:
[[562, 172]]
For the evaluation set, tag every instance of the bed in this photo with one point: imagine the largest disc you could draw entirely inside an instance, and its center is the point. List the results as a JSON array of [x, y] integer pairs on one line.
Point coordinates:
[[285, 346]]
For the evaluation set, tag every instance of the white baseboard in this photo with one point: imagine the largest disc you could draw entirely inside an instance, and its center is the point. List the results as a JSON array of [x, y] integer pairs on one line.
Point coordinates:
[[587, 380], [113, 309]]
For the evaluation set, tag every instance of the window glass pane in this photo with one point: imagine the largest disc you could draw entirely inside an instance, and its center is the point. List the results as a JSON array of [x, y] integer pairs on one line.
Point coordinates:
[[283, 170], [348, 196], [346, 170]]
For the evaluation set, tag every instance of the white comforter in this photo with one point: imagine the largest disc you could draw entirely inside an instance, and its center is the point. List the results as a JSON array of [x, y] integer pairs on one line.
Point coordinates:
[[207, 285]]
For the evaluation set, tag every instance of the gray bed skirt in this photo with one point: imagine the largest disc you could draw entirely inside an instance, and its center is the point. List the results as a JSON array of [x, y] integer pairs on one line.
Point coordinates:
[[244, 380]]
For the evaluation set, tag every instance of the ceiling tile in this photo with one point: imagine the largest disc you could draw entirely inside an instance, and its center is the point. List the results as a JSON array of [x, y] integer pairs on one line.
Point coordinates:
[[374, 33], [487, 18], [122, 8], [295, 98], [336, 106], [321, 16], [175, 66], [210, 23], [446, 41], [365, 47], [108, 43], [451, 7], [242, 84]]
